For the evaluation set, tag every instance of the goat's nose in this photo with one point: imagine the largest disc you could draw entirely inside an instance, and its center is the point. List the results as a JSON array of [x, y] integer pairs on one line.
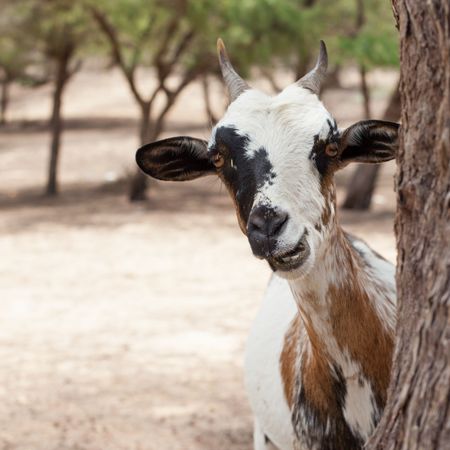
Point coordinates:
[[264, 226]]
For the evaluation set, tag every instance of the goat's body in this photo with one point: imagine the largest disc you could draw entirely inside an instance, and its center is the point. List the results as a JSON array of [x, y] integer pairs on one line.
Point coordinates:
[[277, 356], [320, 351]]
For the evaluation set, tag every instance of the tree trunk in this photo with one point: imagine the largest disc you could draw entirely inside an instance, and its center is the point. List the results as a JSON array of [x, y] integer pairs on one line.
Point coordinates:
[[149, 132], [56, 123], [139, 180], [332, 80], [4, 100], [302, 66], [363, 181], [211, 118], [360, 22], [417, 414], [365, 91]]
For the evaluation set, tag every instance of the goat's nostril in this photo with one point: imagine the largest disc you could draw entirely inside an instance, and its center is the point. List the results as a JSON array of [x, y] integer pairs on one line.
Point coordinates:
[[257, 222], [278, 223], [266, 222]]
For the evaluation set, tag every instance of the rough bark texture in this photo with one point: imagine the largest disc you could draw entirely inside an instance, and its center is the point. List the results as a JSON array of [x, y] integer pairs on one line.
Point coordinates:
[[417, 415], [363, 181]]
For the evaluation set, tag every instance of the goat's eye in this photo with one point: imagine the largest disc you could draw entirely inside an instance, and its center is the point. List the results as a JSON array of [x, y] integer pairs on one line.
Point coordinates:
[[331, 149], [218, 160]]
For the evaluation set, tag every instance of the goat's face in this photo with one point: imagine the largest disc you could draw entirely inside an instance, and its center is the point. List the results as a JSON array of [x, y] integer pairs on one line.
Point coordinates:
[[277, 156], [264, 147]]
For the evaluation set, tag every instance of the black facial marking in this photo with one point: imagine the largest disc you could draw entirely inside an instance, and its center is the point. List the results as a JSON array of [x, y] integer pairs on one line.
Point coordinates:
[[325, 430], [243, 175], [318, 154]]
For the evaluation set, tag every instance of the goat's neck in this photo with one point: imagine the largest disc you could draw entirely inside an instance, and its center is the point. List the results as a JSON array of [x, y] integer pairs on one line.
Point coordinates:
[[336, 304]]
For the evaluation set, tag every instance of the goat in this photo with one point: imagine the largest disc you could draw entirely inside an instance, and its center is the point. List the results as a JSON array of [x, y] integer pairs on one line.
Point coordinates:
[[318, 357]]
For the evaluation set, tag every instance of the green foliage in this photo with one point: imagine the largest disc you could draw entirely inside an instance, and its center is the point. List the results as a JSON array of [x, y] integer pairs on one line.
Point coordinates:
[[376, 43], [265, 33], [15, 51], [35, 33], [149, 31], [56, 24], [258, 33]]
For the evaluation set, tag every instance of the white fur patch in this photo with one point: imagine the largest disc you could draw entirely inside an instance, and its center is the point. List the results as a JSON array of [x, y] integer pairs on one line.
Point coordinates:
[[356, 412], [262, 370]]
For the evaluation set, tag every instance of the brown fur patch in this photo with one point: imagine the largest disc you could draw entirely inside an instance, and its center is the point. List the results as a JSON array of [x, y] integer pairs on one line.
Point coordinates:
[[357, 327], [317, 380], [328, 191], [288, 358]]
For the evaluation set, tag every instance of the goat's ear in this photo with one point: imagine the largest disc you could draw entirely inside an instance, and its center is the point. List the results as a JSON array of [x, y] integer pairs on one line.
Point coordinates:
[[368, 141], [175, 159]]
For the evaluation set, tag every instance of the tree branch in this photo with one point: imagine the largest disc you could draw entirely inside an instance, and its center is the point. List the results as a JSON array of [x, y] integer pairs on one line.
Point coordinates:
[[141, 40], [171, 96], [110, 33]]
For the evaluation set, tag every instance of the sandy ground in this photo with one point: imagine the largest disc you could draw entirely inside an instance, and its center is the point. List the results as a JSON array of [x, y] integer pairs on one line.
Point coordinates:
[[123, 326]]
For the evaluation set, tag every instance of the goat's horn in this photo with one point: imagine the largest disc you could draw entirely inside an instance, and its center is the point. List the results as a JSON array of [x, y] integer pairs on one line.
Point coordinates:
[[235, 84], [313, 79]]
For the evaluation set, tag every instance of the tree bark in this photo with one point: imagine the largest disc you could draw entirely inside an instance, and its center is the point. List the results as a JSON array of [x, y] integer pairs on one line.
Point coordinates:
[[363, 181], [4, 100], [56, 122], [417, 415]]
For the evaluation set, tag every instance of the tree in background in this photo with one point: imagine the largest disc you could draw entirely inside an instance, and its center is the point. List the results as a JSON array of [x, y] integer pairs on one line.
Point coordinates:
[[60, 28], [176, 39], [362, 183], [371, 43], [13, 68], [17, 59], [55, 30], [156, 34], [417, 414]]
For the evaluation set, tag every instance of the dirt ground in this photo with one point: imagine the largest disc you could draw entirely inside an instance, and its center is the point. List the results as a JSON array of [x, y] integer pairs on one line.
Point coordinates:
[[122, 326]]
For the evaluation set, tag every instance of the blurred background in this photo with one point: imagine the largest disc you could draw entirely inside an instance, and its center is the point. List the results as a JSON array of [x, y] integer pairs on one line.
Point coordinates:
[[125, 304]]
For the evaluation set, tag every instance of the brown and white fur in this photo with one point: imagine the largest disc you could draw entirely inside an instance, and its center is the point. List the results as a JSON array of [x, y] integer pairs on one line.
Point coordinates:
[[319, 354]]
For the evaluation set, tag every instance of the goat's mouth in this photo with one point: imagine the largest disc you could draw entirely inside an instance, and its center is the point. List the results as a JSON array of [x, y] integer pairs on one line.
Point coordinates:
[[291, 259]]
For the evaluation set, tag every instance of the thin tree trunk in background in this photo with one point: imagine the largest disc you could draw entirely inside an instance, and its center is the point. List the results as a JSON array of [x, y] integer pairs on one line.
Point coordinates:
[[139, 180], [267, 74], [365, 91], [211, 118], [363, 181], [4, 100], [332, 80], [417, 415], [56, 123], [302, 67], [361, 187], [149, 132]]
